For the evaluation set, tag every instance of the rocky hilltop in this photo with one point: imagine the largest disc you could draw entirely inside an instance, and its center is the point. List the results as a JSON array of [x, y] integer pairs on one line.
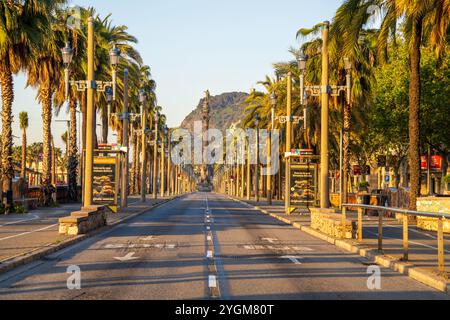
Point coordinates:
[[226, 109]]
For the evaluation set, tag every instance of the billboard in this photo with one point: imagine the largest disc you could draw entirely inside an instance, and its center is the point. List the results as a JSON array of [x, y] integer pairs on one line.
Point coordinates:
[[303, 192], [105, 181]]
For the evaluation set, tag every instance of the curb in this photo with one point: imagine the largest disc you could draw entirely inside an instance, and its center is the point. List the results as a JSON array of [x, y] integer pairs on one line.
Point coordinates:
[[28, 257], [408, 269]]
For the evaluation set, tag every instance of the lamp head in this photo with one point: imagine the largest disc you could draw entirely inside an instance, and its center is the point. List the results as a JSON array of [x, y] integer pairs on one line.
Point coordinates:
[[67, 54], [302, 60], [114, 56]]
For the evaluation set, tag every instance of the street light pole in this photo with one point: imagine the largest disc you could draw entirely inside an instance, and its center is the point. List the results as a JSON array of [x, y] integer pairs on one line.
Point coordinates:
[[325, 91], [155, 159], [257, 120], [324, 139], [273, 101], [247, 146], [91, 86], [125, 124], [90, 124], [144, 145]]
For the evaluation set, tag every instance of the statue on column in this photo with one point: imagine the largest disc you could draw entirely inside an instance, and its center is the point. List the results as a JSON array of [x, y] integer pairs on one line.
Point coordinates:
[[205, 178]]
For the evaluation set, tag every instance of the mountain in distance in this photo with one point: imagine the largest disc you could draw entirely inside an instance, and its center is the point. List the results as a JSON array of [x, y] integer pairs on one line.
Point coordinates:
[[225, 110]]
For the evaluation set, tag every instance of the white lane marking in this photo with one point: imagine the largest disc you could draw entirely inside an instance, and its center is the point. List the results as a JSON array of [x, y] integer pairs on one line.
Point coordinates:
[[270, 240], [208, 228], [19, 221], [209, 254], [209, 238], [302, 249], [171, 246], [212, 282], [294, 259], [29, 232], [128, 257]]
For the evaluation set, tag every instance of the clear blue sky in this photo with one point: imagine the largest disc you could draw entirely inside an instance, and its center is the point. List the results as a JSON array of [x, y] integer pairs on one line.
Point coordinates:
[[194, 45]]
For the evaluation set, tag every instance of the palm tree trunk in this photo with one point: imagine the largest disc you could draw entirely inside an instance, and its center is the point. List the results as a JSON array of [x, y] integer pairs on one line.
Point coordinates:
[[72, 161], [7, 172], [346, 147], [414, 112], [23, 172], [47, 147]]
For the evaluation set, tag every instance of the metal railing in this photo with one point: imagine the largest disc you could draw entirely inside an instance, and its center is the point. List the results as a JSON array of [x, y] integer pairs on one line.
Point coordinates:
[[406, 214]]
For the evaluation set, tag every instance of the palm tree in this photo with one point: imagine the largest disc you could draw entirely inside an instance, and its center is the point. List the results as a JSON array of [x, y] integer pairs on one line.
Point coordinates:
[[44, 73], [23, 118], [23, 26], [418, 17]]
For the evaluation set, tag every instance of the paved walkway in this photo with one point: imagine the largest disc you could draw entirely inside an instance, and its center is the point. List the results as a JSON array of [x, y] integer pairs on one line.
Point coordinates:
[[26, 233], [423, 244]]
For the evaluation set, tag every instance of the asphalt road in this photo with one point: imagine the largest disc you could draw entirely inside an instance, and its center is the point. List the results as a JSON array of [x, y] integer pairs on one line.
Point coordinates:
[[204, 246]]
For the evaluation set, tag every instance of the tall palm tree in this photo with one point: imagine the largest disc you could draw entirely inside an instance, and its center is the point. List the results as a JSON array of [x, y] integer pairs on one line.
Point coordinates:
[[23, 26], [43, 72], [418, 16], [23, 118]]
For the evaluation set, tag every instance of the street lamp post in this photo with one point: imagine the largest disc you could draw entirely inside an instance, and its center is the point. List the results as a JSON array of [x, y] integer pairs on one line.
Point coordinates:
[[273, 103], [155, 159], [91, 86], [142, 100], [163, 161], [324, 91], [125, 141], [257, 122], [169, 164]]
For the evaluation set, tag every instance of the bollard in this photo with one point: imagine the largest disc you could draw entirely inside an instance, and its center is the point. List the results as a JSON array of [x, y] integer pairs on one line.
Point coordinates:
[[360, 224], [441, 256], [344, 215], [380, 231], [405, 238]]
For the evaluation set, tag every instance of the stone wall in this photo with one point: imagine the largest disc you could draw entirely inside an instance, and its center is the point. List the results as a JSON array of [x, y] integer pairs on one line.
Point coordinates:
[[330, 223], [439, 205]]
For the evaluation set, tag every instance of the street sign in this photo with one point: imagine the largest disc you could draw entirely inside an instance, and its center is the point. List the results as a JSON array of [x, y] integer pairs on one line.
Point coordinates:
[[106, 181]]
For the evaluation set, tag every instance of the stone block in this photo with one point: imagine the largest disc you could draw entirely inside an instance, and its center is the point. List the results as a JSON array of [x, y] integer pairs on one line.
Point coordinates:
[[84, 221], [330, 223]]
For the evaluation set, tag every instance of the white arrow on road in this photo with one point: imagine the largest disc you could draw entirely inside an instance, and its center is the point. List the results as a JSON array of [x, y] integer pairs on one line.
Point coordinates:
[[270, 240], [294, 259], [128, 257]]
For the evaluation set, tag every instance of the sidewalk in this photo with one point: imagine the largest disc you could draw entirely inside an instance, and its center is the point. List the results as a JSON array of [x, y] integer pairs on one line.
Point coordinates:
[[22, 236], [422, 264]]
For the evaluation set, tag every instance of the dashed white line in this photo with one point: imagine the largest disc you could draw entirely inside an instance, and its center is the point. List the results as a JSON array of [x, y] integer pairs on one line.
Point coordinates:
[[209, 238], [209, 254]]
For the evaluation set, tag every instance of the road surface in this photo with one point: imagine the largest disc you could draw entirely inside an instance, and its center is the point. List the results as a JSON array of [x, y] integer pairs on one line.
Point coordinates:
[[205, 246]]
